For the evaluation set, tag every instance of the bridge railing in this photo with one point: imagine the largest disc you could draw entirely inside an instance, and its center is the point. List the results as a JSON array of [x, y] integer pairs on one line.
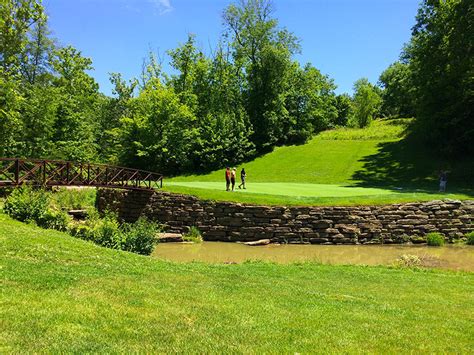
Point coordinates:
[[15, 172]]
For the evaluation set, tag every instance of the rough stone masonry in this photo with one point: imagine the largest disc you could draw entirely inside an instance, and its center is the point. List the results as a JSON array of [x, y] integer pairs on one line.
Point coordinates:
[[232, 222]]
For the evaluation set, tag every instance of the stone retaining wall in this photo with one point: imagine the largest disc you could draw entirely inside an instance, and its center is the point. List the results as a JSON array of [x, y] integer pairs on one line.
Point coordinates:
[[225, 221]]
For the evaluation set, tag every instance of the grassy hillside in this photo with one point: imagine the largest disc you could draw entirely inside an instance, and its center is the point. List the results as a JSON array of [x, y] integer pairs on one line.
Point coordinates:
[[61, 294], [342, 166]]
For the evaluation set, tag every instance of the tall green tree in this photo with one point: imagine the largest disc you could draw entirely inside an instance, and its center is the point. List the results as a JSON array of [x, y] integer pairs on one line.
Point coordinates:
[[310, 103], [441, 57], [77, 112], [343, 104], [366, 103], [160, 133], [398, 97], [16, 19], [262, 50]]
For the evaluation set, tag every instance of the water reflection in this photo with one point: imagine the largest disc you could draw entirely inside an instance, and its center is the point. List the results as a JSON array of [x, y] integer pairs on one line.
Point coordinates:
[[454, 257]]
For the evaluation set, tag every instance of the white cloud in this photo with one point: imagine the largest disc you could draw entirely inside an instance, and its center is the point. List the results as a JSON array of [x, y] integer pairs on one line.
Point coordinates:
[[160, 7], [163, 6]]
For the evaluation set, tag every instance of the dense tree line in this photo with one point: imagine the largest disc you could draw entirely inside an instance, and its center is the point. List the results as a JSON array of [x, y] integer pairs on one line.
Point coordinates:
[[434, 81], [247, 96]]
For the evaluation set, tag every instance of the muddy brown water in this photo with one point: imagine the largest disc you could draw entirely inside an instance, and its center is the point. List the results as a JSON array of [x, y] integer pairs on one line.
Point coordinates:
[[454, 257]]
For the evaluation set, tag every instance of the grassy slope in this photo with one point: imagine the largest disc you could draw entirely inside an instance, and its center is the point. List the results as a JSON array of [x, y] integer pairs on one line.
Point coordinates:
[[377, 156], [62, 294]]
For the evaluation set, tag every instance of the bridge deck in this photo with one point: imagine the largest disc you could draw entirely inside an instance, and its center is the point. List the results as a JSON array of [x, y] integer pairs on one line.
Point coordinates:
[[15, 172]]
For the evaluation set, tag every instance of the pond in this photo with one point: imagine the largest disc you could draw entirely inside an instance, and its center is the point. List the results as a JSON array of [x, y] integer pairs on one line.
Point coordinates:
[[454, 257]]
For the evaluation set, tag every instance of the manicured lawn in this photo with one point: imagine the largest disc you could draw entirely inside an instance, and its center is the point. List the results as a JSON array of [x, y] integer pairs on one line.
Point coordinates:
[[378, 164], [304, 194], [61, 294]]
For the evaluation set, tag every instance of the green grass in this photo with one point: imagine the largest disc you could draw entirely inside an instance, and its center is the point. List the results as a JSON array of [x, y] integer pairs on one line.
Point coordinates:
[[61, 294], [349, 166], [342, 199]]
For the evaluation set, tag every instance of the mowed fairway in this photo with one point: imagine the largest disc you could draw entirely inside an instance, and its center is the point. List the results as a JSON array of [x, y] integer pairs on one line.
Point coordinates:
[[61, 294], [344, 166], [288, 189]]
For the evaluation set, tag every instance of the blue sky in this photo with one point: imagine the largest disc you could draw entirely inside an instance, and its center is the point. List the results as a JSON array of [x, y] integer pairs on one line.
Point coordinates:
[[346, 39]]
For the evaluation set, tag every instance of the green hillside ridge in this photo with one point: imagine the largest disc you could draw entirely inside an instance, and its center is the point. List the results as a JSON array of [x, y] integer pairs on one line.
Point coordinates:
[[62, 294], [377, 164]]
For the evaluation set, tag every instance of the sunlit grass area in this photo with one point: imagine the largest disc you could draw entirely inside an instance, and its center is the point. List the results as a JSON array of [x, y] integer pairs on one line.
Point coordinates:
[[375, 165], [287, 194], [61, 294]]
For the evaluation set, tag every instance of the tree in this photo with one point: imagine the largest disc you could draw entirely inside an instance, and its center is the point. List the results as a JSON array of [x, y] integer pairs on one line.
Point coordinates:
[[398, 98], [441, 60], [16, 19], [77, 113], [366, 102], [310, 104], [344, 109], [160, 133], [263, 52]]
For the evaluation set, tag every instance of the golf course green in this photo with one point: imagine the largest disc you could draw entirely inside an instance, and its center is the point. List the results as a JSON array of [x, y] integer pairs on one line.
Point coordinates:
[[373, 165]]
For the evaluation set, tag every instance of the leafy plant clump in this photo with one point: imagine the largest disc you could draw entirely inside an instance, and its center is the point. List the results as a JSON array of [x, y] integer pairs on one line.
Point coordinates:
[[470, 238], [193, 235], [138, 237], [48, 210], [435, 239], [82, 198], [27, 205]]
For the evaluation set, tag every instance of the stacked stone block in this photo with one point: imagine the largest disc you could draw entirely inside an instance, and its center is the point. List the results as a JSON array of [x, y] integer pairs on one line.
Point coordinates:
[[232, 222]]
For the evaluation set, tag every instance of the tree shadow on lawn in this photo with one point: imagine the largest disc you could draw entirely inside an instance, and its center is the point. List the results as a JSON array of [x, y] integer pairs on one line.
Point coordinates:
[[410, 166]]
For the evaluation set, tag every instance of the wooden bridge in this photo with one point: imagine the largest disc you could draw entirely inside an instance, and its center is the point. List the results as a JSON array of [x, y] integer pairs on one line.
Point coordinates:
[[37, 172]]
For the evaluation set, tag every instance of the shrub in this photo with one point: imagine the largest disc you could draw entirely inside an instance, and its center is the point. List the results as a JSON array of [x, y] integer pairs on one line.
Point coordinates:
[[81, 230], [106, 232], [58, 220], [193, 235], [470, 238], [139, 237], [74, 198], [27, 204], [435, 239]]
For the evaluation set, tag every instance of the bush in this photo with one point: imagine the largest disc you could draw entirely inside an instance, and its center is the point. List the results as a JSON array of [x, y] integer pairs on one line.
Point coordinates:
[[106, 232], [73, 199], [194, 235], [26, 204], [470, 238], [139, 237], [435, 239], [81, 230], [58, 220]]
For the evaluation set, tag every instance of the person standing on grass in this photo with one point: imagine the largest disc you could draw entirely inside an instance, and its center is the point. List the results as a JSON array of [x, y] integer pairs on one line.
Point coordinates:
[[232, 178], [443, 180], [227, 179], [243, 175]]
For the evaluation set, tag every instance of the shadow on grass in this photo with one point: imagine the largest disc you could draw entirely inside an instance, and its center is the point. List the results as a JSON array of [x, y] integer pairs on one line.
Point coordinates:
[[410, 166]]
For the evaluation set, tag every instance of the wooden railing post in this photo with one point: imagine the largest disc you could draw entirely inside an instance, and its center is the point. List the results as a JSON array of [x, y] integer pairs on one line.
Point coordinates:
[[44, 173], [17, 171], [67, 173]]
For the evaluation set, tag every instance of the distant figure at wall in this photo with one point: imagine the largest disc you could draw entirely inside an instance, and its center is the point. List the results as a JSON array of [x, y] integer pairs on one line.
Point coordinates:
[[243, 175], [227, 179], [443, 180], [232, 178]]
